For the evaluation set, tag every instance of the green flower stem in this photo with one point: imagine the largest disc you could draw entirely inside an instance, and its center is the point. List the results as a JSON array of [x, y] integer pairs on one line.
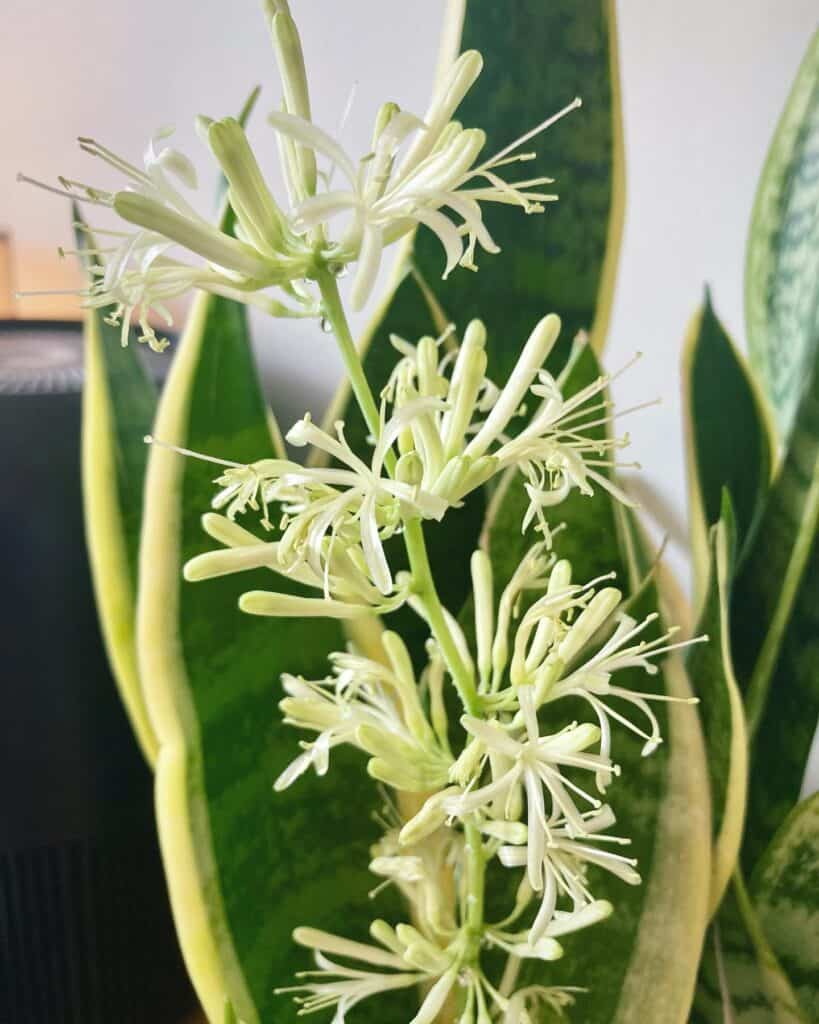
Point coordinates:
[[336, 317], [423, 586], [423, 583], [475, 880]]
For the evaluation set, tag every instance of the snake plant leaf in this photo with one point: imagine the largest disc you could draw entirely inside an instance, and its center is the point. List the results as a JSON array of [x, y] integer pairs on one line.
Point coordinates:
[[784, 888], [119, 401], [729, 441], [244, 865], [711, 672], [782, 261], [563, 260], [741, 979], [537, 57], [119, 404], [639, 965], [774, 629]]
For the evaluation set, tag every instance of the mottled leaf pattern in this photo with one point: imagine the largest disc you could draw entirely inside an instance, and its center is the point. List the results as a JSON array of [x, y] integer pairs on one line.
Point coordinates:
[[244, 865], [782, 270], [785, 890]]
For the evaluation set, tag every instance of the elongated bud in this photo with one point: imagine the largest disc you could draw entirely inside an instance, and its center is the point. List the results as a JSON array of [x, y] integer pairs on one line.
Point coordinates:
[[324, 942], [455, 85], [535, 351], [208, 242], [467, 377], [258, 213], [560, 577], [268, 602], [290, 58], [408, 690], [230, 560], [421, 951], [514, 832], [384, 933], [450, 480], [588, 622], [430, 818], [386, 112], [483, 594], [467, 763]]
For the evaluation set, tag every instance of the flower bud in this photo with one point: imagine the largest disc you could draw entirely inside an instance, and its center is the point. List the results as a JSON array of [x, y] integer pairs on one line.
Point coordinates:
[[588, 622]]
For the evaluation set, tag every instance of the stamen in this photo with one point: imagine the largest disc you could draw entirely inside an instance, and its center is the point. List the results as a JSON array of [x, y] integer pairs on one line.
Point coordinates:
[[492, 162], [65, 193], [150, 439]]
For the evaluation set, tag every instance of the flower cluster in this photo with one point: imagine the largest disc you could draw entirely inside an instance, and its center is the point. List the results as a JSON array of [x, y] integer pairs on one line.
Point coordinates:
[[515, 790], [418, 172], [445, 430], [518, 782]]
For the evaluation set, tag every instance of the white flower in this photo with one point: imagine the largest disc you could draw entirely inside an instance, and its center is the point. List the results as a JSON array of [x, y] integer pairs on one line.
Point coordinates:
[[405, 958], [415, 170], [140, 275], [535, 763], [569, 643], [370, 706], [544, 944], [344, 584], [334, 519], [564, 859], [465, 435], [522, 1008], [591, 678]]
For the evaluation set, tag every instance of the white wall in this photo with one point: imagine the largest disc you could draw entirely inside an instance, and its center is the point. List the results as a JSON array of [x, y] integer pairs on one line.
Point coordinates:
[[703, 84]]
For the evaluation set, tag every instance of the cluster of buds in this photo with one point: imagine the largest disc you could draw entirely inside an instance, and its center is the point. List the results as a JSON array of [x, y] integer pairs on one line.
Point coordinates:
[[419, 171]]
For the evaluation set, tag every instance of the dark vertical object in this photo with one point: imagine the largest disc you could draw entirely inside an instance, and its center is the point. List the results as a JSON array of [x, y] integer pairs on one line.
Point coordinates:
[[86, 935]]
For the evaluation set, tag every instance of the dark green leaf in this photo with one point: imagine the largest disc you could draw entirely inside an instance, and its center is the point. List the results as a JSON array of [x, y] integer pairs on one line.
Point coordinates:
[[775, 625], [711, 672], [728, 438]]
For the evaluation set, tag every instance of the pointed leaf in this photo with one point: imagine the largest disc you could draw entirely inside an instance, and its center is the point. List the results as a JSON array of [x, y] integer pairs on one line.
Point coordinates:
[[774, 625], [729, 442], [537, 57], [119, 400], [782, 262], [711, 672]]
